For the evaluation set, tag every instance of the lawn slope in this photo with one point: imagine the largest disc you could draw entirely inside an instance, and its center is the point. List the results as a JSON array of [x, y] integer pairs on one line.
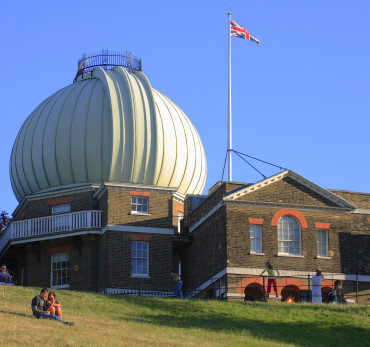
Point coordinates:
[[102, 320]]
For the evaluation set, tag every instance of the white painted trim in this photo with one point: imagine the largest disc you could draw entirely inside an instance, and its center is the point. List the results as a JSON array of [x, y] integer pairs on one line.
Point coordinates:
[[255, 253], [212, 280], [55, 236], [130, 186], [362, 211], [138, 229], [314, 187], [179, 197], [283, 205], [205, 217], [290, 255]]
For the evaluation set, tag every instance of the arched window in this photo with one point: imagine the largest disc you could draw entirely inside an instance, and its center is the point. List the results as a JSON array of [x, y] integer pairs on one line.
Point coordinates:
[[289, 236]]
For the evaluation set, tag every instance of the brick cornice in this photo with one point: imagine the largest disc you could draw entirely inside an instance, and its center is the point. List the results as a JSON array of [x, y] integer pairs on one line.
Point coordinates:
[[285, 212], [322, 225]]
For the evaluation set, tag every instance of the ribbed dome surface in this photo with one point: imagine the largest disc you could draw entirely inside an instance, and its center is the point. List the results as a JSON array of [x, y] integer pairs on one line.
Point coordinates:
[[110, 126]]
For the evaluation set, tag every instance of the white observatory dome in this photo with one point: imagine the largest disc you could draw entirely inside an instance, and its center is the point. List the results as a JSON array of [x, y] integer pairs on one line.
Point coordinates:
[[108, 126]]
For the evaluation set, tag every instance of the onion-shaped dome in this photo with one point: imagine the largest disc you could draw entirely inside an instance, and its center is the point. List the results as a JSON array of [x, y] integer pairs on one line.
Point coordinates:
[[108, 126]]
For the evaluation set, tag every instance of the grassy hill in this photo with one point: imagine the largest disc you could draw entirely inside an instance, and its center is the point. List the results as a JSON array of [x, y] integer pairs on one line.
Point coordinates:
[[102, 320]]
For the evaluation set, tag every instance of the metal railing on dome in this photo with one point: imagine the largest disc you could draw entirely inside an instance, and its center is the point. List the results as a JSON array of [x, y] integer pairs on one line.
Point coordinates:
[[107, 61]]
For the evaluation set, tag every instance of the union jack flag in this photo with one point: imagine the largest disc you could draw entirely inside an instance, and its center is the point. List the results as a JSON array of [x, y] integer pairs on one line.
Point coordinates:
[[238, 31]]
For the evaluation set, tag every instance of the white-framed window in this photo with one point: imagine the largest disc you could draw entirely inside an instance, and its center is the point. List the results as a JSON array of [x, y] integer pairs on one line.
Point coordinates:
[[60, 270], [256, 238], [322, 243], [139, 258], [289, 236], [139, 204], [180, 217], [63, 208]]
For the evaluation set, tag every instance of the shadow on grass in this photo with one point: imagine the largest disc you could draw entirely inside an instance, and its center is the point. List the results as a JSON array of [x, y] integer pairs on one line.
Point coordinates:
[[297, 330], [16, 314]]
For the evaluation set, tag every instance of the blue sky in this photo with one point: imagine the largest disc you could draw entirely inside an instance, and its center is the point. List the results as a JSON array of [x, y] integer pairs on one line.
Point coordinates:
[[300, 99]]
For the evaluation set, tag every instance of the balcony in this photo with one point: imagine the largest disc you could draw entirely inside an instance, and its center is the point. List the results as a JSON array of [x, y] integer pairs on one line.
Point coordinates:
[[47, 226]]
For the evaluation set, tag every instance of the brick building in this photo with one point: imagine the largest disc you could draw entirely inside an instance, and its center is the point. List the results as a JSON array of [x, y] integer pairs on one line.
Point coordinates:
[[109, 174], [285, 219]]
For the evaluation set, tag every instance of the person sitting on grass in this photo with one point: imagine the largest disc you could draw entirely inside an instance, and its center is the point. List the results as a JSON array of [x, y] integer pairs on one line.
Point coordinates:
[[39, 309], [271, 278], [5, 277], [53, 305]]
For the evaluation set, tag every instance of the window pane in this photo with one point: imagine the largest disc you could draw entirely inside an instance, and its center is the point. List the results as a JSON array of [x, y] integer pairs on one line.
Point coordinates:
[[60, 269], [139, 258]]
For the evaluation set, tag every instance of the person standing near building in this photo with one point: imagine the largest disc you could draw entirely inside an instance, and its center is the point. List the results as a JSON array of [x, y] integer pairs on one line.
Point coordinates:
[[338, 293], [271, 278], [177, 284], [316, 287]]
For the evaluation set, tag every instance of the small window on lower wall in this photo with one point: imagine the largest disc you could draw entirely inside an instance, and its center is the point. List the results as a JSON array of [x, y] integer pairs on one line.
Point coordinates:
[[139, 259], [60, 270], [256, 238], [322, 243]]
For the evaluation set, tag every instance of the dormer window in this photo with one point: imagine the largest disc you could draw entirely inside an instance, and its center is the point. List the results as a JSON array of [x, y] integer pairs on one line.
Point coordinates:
[[63, 208]]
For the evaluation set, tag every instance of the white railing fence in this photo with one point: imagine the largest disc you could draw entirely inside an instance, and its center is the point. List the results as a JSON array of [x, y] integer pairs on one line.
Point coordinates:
[[51, 224]]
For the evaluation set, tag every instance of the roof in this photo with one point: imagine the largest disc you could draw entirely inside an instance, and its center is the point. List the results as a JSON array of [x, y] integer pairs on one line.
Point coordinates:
[[300, 179]]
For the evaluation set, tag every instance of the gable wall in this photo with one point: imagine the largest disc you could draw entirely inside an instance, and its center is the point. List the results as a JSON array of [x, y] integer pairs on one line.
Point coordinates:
[[287, 191]]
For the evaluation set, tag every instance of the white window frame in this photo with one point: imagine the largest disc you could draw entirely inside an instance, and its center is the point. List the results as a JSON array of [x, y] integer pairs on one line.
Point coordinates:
[[60, 258], [137, 202], [325, 231], [253, 229], [62, 208], [287, 240], [180, 217], [135, 255]]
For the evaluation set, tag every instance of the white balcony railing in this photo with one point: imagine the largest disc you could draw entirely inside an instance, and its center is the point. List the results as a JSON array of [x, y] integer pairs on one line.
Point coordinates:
[[49, 225]]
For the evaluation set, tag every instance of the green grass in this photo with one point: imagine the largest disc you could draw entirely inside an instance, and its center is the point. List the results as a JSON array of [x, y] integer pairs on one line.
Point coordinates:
[[102, 320]]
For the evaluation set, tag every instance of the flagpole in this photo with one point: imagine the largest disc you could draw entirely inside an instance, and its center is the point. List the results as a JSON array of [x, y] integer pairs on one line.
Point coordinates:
[[229, 149]]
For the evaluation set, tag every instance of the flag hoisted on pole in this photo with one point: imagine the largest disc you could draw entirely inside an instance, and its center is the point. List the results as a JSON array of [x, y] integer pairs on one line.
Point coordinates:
[[235, 30]]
